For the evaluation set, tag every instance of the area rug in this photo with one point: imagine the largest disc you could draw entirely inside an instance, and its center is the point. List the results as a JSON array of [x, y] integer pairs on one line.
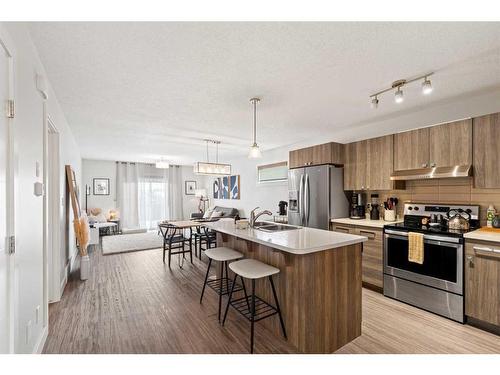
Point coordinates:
[[122, 243]]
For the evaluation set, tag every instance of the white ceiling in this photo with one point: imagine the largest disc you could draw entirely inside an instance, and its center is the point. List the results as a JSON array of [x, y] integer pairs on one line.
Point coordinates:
[[138, 91]]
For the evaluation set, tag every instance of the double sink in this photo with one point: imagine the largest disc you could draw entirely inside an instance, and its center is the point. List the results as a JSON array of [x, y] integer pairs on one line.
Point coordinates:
[[271, 227]]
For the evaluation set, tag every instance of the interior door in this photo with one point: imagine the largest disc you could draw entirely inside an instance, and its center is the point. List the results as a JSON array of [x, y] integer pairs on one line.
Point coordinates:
[[5, 208], [317, 197]]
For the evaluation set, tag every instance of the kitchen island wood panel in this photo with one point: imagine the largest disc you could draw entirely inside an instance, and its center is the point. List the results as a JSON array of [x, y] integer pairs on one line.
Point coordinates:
[[319, 293]]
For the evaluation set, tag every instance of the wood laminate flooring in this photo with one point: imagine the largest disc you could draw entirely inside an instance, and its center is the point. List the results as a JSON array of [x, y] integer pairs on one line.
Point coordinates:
[[133, 303]]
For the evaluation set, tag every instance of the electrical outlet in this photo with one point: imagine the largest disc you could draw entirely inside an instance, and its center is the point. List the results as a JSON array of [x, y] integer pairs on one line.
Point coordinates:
[[28, 332], [37, 314]]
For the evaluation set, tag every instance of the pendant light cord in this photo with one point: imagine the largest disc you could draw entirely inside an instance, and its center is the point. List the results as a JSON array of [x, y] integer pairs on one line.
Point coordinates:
[[254, 121]]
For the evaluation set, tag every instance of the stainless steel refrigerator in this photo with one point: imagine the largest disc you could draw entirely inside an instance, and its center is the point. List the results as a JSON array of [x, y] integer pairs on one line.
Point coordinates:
[[316, 195]]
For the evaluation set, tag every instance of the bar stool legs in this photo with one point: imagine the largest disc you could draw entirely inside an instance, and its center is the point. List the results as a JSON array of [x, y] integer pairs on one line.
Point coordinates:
[[252, 317], [206, 278], [251, 308], [278, 307], [222, 284]]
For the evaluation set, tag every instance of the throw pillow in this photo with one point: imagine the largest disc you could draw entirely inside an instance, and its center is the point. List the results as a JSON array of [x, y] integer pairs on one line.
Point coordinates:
[[208, 214], [216, 214]]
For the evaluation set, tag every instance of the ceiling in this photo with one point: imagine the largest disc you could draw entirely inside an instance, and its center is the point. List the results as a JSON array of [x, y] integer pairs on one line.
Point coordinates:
[[141, 91]]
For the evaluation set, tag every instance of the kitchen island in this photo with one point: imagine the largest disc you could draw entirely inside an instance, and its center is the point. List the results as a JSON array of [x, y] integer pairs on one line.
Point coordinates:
[[319, 284]]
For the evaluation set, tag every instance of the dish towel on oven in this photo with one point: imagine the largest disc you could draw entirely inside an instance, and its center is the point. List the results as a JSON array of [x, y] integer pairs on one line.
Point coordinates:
[[416, 247]]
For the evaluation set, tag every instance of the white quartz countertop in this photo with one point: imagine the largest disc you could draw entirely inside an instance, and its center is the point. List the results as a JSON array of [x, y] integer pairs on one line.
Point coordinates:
[[296, 241], [482, 236], [365, 222]]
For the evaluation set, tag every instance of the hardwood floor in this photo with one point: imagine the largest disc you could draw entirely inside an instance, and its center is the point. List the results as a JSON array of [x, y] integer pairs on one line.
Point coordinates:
[[134, 304]]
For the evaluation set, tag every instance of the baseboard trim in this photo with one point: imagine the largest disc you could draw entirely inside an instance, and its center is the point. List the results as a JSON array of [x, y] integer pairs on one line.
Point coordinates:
[[38, 349]]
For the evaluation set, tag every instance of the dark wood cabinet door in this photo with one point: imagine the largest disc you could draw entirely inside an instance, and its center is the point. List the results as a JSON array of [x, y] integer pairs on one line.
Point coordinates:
[[411, 149], [451, 144], [482, 282], [486, 159]]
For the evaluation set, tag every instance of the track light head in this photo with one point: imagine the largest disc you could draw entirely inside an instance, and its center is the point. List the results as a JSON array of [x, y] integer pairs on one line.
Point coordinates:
[[374, 102], [426, 86], [399, 96]]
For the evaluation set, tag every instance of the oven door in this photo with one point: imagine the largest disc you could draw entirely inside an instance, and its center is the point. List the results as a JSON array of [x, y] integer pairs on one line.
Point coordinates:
[[443, 261]]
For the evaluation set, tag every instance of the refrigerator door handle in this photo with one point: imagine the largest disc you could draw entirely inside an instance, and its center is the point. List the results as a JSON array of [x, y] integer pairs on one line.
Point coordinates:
[[301, 202], [306, 200]]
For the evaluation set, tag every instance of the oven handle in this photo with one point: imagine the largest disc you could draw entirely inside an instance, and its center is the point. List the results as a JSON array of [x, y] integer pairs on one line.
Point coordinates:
[[426, 236]]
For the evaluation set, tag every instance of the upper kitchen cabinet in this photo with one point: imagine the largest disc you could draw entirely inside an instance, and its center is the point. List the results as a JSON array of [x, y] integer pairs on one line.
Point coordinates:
[[355, 166], [327, 153], [379, 163], [369, 164], [486, 140], [411, 149], [444, 145], [451, 144]]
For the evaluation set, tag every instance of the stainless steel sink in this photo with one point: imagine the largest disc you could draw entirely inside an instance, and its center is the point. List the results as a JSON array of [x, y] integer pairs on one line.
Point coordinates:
[[267, 227]]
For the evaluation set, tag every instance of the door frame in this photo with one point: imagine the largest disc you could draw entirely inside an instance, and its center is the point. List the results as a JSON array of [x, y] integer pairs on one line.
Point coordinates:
[[52, 212], [12, 302]]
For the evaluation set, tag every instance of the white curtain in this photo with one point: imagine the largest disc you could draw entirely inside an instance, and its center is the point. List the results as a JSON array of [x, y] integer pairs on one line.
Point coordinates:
[[127, 194], [147, 195], [174, 202]]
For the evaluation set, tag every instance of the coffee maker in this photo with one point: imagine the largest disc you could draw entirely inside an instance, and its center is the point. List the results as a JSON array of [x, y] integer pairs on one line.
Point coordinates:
[[358, 202], [282, 206]]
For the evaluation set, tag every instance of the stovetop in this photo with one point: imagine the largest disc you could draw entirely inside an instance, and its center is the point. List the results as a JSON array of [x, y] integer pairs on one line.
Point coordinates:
[[439, 229], [414, 213]]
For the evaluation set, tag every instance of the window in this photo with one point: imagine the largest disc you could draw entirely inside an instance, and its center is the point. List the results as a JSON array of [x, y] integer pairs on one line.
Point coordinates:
[[273, 172]]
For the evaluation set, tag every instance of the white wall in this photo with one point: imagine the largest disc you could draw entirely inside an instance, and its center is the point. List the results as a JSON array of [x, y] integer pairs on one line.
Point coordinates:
[[28, 138], [99, 169], [190, 202], [253, 194]]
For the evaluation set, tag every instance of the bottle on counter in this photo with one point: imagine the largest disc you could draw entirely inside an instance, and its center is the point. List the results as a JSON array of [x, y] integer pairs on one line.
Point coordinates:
[[490, 215]]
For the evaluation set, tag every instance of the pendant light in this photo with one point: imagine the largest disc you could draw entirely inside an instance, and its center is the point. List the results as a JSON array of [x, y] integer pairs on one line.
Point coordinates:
[[254, 150], [207, 168]]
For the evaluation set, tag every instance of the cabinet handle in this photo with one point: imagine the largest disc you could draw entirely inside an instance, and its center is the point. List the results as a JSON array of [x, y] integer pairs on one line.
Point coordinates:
[[370, 235], [470, 259], [424, 165], [481, 248], [433, 165]]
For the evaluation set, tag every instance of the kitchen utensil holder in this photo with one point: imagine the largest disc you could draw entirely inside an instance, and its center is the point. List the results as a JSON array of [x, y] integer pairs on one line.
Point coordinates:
[[390, 215]]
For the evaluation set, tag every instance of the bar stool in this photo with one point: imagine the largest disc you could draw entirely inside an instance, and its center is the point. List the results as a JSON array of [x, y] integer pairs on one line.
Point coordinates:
[[257, 309], [221, 285]]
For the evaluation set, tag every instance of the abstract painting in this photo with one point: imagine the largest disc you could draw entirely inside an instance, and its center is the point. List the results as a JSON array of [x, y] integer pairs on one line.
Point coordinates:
[[217, 188], [234, 184], [225, 187]]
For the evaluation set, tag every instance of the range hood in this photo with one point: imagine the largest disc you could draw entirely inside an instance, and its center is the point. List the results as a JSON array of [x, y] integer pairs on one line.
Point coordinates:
[[435, 172]]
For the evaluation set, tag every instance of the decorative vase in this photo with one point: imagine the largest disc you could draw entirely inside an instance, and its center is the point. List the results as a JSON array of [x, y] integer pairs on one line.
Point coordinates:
[[84, 267]]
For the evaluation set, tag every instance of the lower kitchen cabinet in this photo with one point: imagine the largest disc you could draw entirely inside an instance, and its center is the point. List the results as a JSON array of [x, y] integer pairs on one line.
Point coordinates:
[[372, 263], [482, 281]]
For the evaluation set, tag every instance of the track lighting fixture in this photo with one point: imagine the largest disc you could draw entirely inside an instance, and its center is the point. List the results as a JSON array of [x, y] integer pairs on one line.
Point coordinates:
[[398, 86], [426, 86], [398, 96]]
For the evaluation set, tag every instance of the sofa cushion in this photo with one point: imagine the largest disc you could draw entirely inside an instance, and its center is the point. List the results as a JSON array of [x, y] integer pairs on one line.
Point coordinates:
[[226, 211]]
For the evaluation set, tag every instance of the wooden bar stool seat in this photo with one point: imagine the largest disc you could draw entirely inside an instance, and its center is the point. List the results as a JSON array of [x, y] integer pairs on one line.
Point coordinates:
[[223, 284], [252, 307]]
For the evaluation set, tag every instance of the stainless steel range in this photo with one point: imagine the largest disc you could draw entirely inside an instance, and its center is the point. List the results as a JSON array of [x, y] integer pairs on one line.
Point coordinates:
[[436, 285]]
